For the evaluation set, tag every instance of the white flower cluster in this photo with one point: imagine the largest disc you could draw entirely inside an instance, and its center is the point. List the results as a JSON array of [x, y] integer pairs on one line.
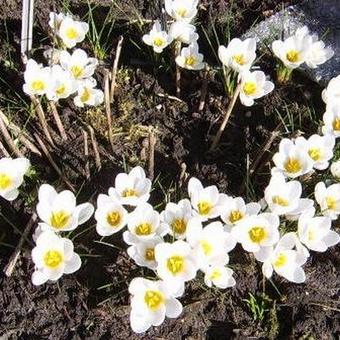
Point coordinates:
[[302, 47], [239, 56], [69, 73], [54, 255], [181, 30]]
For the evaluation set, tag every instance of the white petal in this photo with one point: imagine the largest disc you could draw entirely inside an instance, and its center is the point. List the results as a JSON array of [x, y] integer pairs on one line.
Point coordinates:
[[38, 278], [73, 264], [173, 308], [84, 212]]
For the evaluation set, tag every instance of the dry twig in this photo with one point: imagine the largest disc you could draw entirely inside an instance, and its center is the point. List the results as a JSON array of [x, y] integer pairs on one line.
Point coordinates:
[[108, 106], [115, 68], [8, 139], [58, 121], [95, 148], [86, 153], [8, 270]]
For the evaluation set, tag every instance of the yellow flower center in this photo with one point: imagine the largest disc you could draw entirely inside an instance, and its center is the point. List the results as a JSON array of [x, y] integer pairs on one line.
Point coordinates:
[[181, 12], [206, 247], [179, 226], [331, 203], [311, 235], [235, 216], [150, 254], [77, 71], [38, 85], [204, 207], [129, 193], [257, 234], [53, 258], [158, 42], [239, 59], [314, 154], [59, 219], [175, 264], [143, 229], [280, 260], [215, 275], [153, 299], [5, 181], [71, 33], [85, 95], [249, 88], [60, 90], [336, 124], [293, 56], [190, 60], [280, 201], [292, 165], [113, 218]]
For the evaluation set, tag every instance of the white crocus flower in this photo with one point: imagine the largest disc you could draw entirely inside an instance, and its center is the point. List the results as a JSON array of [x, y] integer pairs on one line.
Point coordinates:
[[183, 32], [88, 94], [132, 188], [181, 10], [53, 256], [292, 160], [78, 64], [235, 210], [143, 224], [335, 169], [157, 38], [319, 149], [175, 217], [61, 84], [59, 211], [110, 215], [239, 55], [315, 232], [151, 302], [282, 259], [255, 232], [331, 94], [72, 32], [190, 58], [210, 244], [253, 86], [12, 173], [328, 199], [293, 51], [284, 198], [143, 253], [55, 21], [331, 119], [318, 53], [36, 78], [207, 202], [219, 276], [176, 263]]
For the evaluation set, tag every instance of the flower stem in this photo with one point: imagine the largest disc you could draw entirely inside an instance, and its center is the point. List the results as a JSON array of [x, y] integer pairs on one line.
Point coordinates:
[[284, 74], [178, 70], [226, 117]]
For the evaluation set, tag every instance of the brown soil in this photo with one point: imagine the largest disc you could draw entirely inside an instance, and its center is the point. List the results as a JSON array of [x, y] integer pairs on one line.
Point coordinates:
[[93, 303]]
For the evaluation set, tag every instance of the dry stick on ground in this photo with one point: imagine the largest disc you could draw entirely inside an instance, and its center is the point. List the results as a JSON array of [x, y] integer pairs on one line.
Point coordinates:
[[4, 151], [162, 95], [178, 69], [58, 121], [95, 148], [54, 165], [108, 106], [226, 118], [8, 139], [115, 68], [86, 153], [152, 143], [23, 138], [8, 270], [41, 115]]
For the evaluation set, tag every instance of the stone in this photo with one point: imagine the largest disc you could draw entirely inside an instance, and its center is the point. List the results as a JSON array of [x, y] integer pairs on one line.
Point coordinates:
[[322, 17]]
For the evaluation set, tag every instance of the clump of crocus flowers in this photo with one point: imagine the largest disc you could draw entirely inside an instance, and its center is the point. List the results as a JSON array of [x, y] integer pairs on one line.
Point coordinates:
[[68, 74]]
